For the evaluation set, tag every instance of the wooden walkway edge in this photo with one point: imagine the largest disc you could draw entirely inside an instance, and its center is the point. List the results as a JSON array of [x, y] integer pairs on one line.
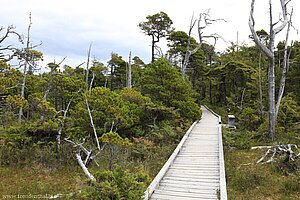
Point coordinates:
[[196, 169]]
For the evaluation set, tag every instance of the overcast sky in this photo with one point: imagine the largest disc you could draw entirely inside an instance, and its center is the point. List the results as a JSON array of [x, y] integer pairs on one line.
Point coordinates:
[[67, 27]]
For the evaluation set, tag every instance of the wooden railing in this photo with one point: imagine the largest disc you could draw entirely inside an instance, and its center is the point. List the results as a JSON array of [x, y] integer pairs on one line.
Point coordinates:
[[166, 166]]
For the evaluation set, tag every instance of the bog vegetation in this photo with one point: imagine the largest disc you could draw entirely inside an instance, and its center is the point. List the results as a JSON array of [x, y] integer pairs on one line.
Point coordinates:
[[86, 132]]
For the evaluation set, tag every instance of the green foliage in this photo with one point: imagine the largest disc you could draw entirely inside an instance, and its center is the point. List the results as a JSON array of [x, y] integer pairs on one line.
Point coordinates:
[[40, 107], [164, 85], [141, 148], [42, 131], [162, 132], [177, 43], [9, 77], [114, 138], [20, 150], [116, 145], [117, 72], [249, 119], [188, 109], [118, 184], [289, 113], [157, 26], [15, 102], [98, 70], [112, 110], [242, 139]]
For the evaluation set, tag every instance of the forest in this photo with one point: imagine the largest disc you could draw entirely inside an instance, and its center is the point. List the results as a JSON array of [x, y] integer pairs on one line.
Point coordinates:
[[104, 130]]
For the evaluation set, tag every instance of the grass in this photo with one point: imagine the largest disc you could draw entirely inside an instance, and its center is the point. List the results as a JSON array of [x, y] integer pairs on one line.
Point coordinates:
[[38, 180], [36, 177], [247, 180]]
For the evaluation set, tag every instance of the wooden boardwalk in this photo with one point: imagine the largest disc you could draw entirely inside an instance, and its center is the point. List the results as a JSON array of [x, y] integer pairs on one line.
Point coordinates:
[[195, 170]]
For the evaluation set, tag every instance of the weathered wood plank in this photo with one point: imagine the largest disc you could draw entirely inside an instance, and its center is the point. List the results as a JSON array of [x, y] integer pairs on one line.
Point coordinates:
[[195, 171], [185, 194]]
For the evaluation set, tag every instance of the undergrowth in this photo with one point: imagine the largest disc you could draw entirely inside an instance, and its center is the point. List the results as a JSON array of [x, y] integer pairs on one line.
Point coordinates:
[[248, 180]]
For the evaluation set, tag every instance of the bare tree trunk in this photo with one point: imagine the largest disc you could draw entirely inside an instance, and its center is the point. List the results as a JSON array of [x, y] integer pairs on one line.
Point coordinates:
[[48, 88], [242, 97], [203, 22], [87, 68], [83, 167], [22, 91], [271, 78], [61, 125], [261, 106], [284, 68], [269, 51], [153, 47], [92, 81], [25, 68], [92, 124], [210, 92], [188, 52], [129, 84]]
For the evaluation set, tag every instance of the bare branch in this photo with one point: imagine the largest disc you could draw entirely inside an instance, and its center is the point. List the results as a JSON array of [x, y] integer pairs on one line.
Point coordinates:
[[10, 30], [80, 65], [87, 67], [281, 150], [59, 130], [203, 22], [261, 147], [84, 168], [92, 124], [285, 16], [92, 81], [255, 36], [284, 67], [62, 61]]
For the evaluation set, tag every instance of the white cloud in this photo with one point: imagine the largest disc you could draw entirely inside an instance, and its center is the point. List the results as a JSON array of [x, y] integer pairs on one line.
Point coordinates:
[[67, 27]]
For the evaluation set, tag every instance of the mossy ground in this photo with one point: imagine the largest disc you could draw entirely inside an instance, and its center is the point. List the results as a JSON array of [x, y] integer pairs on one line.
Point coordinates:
[[38, 180], [247, 180]]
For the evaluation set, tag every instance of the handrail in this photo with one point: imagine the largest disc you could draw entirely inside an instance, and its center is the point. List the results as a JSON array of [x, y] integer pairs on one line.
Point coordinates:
[[166, 166], [222, 193], [223, 189]]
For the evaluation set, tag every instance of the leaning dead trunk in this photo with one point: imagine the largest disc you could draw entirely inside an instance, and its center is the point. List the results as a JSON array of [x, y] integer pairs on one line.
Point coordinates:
[[83, 167]]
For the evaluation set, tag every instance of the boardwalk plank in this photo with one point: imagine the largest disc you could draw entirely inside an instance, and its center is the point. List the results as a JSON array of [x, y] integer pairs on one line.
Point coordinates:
[[195, 171]]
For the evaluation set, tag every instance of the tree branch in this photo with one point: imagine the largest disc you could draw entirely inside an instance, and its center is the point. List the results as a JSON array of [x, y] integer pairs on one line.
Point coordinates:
[[255, 36], [92, 124], [284, 67]]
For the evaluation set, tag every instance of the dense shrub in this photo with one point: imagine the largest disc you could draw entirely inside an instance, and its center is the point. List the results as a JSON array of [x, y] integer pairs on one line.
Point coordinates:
[[118, 184]]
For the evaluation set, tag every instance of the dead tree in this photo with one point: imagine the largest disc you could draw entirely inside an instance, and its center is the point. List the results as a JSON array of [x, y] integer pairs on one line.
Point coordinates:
[[275, 28], [261, 105], [53, 67], [87, 68], [288, 152], [84, 155], [285, 66], [28, 58], [129, 72], [10, 30], [62, 123], [25, 68], [80, 149], [203, 22]]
